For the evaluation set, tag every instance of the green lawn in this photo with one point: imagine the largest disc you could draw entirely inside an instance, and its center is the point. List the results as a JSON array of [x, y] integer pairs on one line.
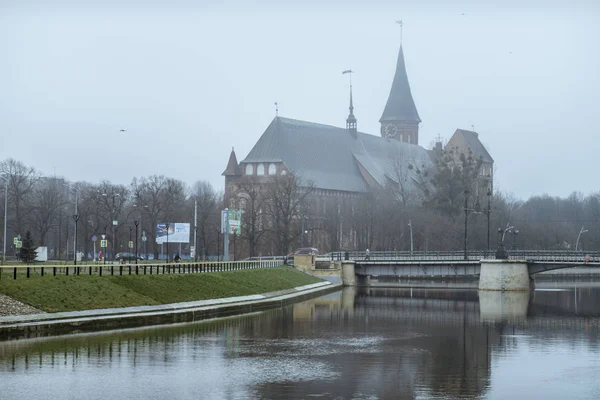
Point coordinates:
[[71, 293]]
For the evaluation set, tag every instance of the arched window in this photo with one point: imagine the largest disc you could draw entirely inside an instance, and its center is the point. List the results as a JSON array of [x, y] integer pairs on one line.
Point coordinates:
[[272, 169], [249, 170], [283, 172], [260, 170]]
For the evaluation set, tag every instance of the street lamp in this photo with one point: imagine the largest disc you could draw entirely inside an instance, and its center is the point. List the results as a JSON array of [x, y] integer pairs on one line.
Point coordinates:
[[576, 243], [477, 209], [488, 212], [411, 236], [105, 255], [195, 243], [514, 233], [136, 223], [303, 233], [76, 219], [168, 225], [218, 245], [113, 221], [5, 216], [501, 253]]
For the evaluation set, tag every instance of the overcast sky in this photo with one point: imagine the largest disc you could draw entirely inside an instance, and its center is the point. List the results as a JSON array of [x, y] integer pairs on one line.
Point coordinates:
[[190, 81]]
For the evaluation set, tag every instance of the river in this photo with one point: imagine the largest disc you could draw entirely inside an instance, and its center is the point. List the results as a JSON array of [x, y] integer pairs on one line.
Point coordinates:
[[399, 343]]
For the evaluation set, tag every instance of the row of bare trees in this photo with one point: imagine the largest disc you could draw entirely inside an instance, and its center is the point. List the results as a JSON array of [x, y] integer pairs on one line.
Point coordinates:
[[45, 205], [281, 213]]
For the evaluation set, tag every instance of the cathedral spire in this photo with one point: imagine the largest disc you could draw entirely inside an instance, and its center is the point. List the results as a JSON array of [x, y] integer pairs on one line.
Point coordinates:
[[400, 105], [400, 119], [351, 120]]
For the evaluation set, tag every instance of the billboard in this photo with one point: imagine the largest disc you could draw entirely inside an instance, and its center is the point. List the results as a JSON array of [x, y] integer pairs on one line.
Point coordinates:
[[178, 233], [231, 219]]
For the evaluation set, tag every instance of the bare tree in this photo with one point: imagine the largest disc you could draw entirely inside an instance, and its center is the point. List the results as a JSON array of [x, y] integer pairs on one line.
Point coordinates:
[[252, 199], [207, 200], [21, 180], [160, 198], [287, 200], [47, 198]]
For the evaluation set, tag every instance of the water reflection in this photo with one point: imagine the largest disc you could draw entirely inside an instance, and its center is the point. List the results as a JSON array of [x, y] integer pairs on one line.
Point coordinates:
[[495, 306], [354, 344]]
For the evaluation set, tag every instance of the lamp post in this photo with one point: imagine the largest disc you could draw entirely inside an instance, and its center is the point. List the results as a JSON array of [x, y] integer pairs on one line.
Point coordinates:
[[129, 243], [303, 233], [488, 212], [411, 236], [136, 223], [112, 220], [218, 245], [196, 243], [576, 243], [477, 209], [76, 219], [501, 253], [514, 233], [167, 225], [5, 216], [105, 255]]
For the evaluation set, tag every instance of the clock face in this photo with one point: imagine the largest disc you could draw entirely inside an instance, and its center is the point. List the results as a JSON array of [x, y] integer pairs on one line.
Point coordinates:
[[390, 131]]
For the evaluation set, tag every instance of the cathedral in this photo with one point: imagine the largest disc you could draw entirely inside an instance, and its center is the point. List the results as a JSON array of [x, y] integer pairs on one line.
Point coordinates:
[[343, 166], [344, 161]]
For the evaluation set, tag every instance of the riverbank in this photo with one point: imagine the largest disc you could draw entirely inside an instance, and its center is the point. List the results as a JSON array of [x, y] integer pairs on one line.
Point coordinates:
[[89, 303], [76, 293], [39, 325]]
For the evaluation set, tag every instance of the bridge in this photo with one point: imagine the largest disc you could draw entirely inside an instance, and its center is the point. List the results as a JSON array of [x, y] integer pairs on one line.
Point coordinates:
[[383, 267]]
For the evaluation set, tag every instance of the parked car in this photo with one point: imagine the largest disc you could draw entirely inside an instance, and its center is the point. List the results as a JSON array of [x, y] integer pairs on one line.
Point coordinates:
[[304, 251], [307, 250], [127, 256]]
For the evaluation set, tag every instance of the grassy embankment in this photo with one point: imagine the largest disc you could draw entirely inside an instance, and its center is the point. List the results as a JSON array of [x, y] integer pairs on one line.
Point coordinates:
[[71, 293]]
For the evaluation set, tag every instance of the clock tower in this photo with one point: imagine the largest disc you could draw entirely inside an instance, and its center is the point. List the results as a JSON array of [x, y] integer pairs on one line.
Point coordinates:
[[400, 119]]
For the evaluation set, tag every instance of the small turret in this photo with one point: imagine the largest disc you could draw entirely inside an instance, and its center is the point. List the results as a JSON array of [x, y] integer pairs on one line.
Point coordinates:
[[351, 120]]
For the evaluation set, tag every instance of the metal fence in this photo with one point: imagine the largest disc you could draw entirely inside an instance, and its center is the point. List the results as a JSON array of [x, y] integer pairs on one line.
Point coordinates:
[[26, 271]]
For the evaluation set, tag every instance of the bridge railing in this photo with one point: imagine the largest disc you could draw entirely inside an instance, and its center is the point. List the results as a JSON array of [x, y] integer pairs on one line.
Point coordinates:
[[555, 256], [472, 255], [407, 255]]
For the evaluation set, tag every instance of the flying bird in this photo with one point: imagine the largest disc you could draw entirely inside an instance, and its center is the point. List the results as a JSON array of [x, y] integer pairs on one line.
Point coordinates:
[[123, 130]]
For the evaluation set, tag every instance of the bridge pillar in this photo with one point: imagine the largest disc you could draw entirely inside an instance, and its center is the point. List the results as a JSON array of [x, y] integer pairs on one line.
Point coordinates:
[[504, 275], [348, 275]]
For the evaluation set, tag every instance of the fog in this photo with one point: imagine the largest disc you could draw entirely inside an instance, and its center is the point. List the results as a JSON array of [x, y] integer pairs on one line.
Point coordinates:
[[189, 82]]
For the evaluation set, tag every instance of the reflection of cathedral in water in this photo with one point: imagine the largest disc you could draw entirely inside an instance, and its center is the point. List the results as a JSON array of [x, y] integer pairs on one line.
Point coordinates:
[[435, 342]]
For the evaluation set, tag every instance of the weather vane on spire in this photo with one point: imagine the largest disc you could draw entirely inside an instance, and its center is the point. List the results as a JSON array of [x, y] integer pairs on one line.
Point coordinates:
[[399, 22], [349, 71], [276, 109]]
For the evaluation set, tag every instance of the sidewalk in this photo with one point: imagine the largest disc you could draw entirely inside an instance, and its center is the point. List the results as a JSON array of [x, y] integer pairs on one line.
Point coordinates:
[[33, 325]]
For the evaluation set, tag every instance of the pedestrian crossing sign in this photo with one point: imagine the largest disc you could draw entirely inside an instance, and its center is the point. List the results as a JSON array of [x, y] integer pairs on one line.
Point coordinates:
[[103, 243]]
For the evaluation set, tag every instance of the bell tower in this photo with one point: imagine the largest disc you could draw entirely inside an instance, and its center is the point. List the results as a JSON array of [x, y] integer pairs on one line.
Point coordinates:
[[400, 119]]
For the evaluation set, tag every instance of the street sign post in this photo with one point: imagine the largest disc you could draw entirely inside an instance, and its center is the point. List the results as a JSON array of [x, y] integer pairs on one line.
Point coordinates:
[[103, 243]]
